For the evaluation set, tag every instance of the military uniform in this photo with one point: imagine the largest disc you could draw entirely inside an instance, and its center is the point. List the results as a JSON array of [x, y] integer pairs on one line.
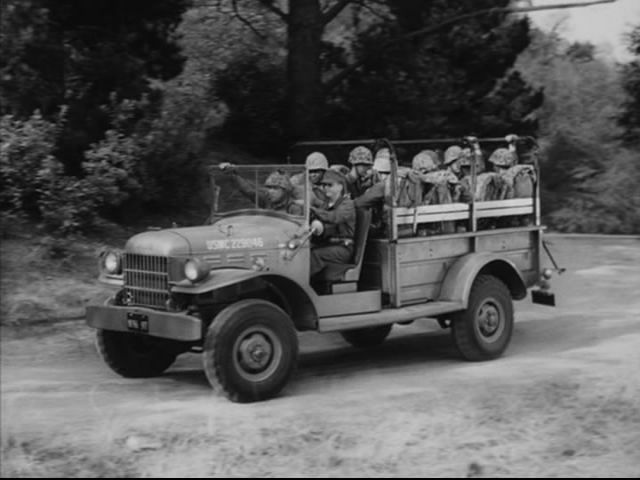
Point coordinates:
[[357, 184], [335, 244], [315, 161]]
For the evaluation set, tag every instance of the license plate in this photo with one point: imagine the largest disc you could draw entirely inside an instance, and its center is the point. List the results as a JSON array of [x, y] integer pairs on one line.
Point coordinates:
[[137, 322], [543, 298]]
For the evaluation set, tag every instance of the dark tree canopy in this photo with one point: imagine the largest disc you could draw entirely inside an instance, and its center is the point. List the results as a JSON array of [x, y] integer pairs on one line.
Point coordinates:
[[79, 53], [630, 118], [456, 82]]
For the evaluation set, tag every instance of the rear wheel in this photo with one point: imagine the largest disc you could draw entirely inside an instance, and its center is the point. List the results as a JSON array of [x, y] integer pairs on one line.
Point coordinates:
[[483, 331], [367, 337], [135, 356], [250, 350]]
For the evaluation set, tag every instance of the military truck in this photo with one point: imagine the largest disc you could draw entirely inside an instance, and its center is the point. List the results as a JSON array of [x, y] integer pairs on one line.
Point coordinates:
[[237, 289]]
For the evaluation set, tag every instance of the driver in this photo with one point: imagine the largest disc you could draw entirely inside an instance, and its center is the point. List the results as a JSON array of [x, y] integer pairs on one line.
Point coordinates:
[[276, 194], [334, 225]]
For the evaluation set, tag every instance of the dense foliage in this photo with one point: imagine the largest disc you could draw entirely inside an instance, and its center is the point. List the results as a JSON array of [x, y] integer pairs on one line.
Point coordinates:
[[588, 176], [113, 108], [457, 82]]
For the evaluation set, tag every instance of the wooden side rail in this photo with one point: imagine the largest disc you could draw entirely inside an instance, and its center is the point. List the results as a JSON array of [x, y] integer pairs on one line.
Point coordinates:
[[503, 208], [431, 213], [459, 211]]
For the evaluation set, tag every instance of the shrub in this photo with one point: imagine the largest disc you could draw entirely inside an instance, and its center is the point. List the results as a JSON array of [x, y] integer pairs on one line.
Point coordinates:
[[27, 146]]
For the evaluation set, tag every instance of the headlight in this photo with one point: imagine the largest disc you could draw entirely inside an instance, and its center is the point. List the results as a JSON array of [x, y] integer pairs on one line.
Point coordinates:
[[112, 263], [547, 273], [196, 270]]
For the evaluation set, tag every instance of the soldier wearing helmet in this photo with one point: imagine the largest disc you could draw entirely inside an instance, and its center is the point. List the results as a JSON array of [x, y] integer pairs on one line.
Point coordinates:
[[361, 176], [382, 164], [379, 193], [471, 154], [451, 157], [424, 162], [333, 226], [316, 164], [502, 159], [276, 194]]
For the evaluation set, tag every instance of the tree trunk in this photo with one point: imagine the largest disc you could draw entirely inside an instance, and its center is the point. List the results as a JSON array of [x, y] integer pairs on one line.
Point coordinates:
[[304, 74]]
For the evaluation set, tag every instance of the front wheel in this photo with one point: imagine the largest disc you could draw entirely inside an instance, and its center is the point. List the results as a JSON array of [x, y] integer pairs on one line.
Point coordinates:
[[135, 356], [250, 350], [483, 331], [367, 337]]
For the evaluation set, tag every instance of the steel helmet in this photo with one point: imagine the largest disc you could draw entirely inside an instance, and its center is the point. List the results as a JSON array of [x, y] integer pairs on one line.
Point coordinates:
[[502, 157], [426, 160], [316, 161], [280, 180], [382, 162], [360, 155], [451, 154]]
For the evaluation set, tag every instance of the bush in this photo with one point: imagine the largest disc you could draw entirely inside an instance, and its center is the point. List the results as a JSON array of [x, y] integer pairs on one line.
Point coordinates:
[[27, 147], [33, 180], [604, 201]]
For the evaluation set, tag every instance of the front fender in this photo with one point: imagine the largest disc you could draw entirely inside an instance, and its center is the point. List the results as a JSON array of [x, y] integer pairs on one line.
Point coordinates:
[[300, 299], [460, 277], [217, 279]]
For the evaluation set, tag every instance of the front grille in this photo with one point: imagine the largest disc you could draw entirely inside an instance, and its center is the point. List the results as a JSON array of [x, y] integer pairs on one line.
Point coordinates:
[[146, 279]]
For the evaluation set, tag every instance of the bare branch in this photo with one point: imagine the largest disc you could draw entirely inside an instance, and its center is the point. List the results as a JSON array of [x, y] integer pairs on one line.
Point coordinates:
[[366, 5], [347, 72], [237, 14], [272, 8], [334, 11]]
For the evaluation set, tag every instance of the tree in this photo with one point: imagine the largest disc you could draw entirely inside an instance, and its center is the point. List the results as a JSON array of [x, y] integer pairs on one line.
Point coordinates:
[[455, 83], [80, 54], [630, 118], [307, 21]]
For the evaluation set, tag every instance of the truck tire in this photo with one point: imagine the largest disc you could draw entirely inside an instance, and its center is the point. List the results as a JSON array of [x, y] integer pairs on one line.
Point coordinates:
[[250, 351], [367, 337], [135, 356], [483, 330]]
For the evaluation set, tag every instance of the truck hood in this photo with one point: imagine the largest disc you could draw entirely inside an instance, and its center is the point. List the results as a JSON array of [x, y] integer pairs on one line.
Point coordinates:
[[240, 233], [164, 243], [234, 233]]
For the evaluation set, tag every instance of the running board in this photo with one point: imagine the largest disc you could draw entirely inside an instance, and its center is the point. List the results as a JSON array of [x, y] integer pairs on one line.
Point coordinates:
[[387, 316]]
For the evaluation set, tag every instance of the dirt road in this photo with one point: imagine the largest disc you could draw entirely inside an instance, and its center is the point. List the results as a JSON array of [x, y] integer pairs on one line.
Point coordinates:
[[563, 401]]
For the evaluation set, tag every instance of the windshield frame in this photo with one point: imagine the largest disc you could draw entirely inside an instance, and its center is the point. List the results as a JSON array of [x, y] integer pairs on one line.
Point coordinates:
[[250, 173]]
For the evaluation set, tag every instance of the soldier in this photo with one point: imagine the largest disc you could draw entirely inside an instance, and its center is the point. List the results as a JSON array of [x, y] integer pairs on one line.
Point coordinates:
[[424, 162], [276, 194], [378, 194], [451, 157], [334, 225], [361, 176], [502, 159], [518, 180], [316, 164]]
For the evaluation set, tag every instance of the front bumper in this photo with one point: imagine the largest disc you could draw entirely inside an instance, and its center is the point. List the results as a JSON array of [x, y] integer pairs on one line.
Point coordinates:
[[175, 326]]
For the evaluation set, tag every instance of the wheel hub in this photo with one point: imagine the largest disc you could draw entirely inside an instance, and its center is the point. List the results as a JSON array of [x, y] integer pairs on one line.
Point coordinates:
[[488, 319], [255, 352]]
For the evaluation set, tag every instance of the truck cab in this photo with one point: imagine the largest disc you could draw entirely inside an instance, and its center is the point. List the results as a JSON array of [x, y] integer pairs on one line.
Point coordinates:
[[237, 289]]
